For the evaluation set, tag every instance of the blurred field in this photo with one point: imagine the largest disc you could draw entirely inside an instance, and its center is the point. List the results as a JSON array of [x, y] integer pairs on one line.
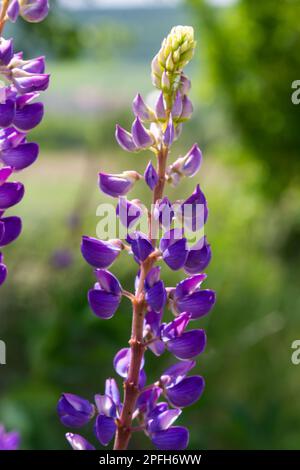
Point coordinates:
[[55, 344]]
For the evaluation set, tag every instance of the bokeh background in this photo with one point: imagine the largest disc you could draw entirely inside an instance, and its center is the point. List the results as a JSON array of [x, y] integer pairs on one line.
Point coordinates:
[[99, 53]]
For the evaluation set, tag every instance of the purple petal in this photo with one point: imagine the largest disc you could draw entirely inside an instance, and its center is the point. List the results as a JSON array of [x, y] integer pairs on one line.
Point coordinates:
[[150, 175], [148, 398], [7, 113], [3, 273], [74, 411], [160, 107], [192, 161], [198, 259], [163, 420], [105, 406], [117, 185], [34, 11], [12, 229], [125, 139], [29, 116], [176, 327], [156, 296], [103, 304], [177, 106], [140, 108], [185, 84], [141, 247], [169, 133], [175, 438], [170, 237], [175, 256], [194, 210], [112, 390], [177, 372], [164, 212], [5, 173], [31, 82], [141, 136], [188, 345], [36, 65], [122, 360], [22, 156], [11, 137], [78, 442], [105, 429], [187, 109], [10, 194], [98, 253], [6, 50], [9, 440], [108, 282], [188, 285], [128, 212], [152, 277], [13, 11], [198, 304], [186, 392]]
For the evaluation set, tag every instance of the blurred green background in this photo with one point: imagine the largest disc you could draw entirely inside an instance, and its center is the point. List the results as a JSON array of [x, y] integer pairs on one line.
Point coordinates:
[[245, 123]]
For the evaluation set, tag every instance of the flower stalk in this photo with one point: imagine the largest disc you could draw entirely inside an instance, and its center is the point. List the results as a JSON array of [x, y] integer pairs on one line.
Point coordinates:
[[115, 416]]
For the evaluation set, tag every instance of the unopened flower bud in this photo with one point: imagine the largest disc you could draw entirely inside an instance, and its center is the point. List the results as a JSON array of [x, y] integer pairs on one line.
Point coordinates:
[[34, 11]]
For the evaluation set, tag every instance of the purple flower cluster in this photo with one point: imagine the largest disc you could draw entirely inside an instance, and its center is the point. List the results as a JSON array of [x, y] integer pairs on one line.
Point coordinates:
[[9, 440], [157, 406], [19, 113]]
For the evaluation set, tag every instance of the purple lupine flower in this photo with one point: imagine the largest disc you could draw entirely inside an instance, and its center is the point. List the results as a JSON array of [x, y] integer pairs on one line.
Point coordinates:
[[174, 249], [187, 109], [141, 137], [78, 442], [105, 297], [188, 297], [128, 211], [125, 139], [74, 411], [117, 185], [141, 110], [141, 246], [18, 115], [164, 212], [34, 11], [9, 440], [155, 292], [98, 253], [198, 258], [150, 175], [13, 10], [194, 211], [151, 297], [160, 107]]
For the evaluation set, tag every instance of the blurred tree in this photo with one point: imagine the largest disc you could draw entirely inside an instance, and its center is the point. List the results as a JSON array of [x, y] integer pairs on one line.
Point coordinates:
[[253, 59], [58, 35]]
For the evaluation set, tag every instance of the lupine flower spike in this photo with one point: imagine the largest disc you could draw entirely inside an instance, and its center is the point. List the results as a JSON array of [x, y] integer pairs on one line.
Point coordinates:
[[157, 406], [22, 80]]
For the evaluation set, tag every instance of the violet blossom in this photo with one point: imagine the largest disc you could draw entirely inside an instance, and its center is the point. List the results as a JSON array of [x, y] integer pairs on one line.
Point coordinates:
[[155, 407], [19, 113]]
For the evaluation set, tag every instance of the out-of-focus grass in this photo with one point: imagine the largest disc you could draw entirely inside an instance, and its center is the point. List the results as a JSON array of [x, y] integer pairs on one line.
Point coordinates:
[[55, 344]]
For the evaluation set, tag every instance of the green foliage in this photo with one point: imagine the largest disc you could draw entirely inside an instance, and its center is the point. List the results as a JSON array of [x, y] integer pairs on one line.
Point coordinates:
[[253, 57]]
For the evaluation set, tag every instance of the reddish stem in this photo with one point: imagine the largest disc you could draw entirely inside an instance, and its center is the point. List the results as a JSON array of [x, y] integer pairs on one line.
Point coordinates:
[[137, 346]]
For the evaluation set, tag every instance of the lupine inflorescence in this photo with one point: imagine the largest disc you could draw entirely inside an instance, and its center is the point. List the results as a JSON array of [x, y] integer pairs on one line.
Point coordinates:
[[21, 81], [153, 407]]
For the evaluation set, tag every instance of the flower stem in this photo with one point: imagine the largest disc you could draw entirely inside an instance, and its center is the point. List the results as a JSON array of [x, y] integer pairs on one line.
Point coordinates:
[[4, 8], [137, 346]]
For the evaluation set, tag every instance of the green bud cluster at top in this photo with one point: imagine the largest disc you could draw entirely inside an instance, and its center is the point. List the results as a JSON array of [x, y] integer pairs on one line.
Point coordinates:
[[176, 51]]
